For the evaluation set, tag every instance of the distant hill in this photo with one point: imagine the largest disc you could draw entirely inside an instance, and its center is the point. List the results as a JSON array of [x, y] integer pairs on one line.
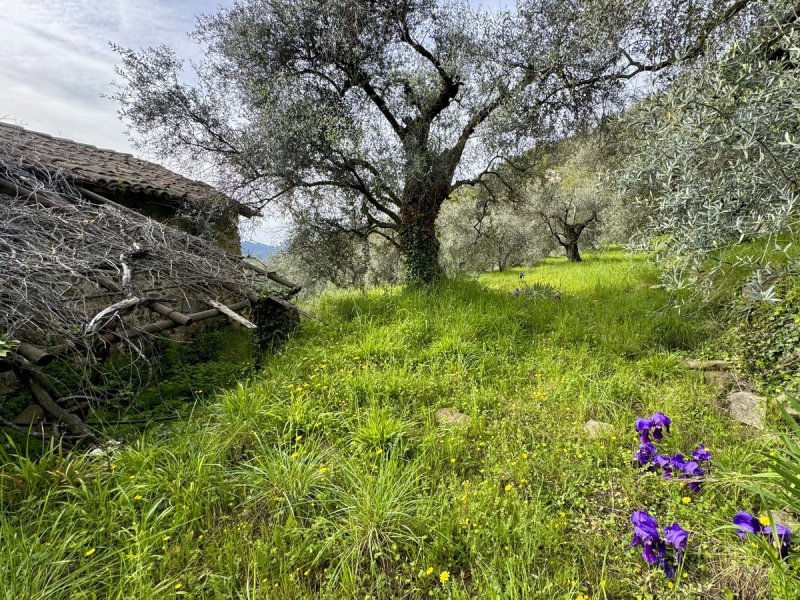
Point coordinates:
[[257, 250]]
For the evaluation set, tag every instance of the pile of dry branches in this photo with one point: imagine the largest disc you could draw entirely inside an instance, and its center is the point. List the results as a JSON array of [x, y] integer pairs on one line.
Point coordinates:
[[64, 252], [79, 272]]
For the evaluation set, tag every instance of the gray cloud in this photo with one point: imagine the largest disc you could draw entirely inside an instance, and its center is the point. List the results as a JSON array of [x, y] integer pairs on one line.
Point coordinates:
[[56, 63]]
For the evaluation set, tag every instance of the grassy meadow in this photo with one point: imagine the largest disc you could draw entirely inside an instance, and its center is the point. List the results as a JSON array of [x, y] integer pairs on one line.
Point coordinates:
[[326, 475]]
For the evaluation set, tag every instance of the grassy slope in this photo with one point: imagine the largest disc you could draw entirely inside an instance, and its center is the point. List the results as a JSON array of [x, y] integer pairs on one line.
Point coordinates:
[[327, 476]]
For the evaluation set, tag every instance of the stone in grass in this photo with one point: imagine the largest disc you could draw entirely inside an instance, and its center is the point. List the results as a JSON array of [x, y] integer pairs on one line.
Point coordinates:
[[709, 365], [595, 429], [747, 408], [450, 416], [724, 380]]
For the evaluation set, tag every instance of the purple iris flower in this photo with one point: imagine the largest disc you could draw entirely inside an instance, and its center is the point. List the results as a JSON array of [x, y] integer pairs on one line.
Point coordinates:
[[677, 537], [692, 469], [677, 462], [654, 549], [660, 421], [746, 523], [660, 460], [645, 533], [644, 453], [643, 428], [644, 525], [669, 570], [784, 537], [701, 454]]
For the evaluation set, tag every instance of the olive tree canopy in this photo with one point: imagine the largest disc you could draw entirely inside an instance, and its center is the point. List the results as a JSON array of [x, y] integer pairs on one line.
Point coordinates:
[[383, 108], [715, 159]]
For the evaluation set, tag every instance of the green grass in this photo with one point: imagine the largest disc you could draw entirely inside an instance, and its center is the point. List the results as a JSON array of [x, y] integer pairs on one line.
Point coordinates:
[[327, 476]]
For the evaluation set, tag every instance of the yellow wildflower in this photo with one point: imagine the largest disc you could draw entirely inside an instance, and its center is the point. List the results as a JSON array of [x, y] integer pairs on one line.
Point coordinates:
[[90, 551], [429, 571], [178, 586], [444, 576], [764, 520], [686, 499], [509, 487]]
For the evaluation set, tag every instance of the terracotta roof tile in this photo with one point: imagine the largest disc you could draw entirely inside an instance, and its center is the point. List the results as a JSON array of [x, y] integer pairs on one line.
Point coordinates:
[[92, 166]]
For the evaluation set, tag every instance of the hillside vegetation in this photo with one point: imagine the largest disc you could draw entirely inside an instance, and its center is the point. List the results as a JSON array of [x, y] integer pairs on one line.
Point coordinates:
[[327, 475]]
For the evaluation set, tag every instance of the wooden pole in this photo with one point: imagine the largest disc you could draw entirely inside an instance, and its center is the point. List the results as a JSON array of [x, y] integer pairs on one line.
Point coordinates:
[[170, 313]]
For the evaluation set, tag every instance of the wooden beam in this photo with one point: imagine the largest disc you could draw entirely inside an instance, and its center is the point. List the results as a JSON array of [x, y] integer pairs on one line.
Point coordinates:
[[297, 309], [293, 287], [233, 316], [12, 189], [170, 313], [35, 354]]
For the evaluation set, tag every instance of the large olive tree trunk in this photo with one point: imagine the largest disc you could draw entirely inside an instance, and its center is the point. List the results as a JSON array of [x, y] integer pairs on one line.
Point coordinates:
[[418, 242], [573, 254]]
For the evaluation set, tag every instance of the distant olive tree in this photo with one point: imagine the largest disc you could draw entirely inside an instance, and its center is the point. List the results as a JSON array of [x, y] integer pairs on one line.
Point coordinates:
[[569, 193], [478, 234], [714, 161], [385, 108]]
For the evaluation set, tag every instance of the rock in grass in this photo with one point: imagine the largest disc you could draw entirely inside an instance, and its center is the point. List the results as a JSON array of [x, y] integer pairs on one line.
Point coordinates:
[[725, 380], [450, 416], [747, 408], [709, 365], [595, 429]]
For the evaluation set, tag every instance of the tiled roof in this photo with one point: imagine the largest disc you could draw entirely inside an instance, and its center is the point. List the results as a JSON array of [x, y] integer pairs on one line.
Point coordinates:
[[95, 167]]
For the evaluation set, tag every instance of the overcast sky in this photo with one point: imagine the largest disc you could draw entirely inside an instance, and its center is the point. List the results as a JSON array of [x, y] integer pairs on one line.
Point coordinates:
[[56, 64]]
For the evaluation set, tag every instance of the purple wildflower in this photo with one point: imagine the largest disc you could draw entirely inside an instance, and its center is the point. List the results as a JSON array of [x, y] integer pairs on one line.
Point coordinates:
[[645, 453], [644, 525], [645, 533], [660, 460], [784, 537], [701, 454], [677, 537], [676, 461], [643, 428], [660, 421], [746, 523], [654, 549], [669, 570]]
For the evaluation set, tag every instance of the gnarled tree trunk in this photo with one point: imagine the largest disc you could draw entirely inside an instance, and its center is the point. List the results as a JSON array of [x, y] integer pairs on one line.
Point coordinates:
[[573, 255], [418, 242]]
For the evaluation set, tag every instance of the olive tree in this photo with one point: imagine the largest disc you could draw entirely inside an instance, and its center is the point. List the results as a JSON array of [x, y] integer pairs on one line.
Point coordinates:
[[715, 159], [384, 108], [479, 233]]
